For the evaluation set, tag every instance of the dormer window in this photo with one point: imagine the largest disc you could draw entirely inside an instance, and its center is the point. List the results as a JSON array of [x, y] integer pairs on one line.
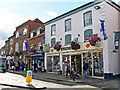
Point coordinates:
[[17, 34], [25, 31]]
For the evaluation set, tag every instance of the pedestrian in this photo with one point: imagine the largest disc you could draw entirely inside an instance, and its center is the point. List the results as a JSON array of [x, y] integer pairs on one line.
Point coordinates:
[[16, 66], [68, 69], [7, 65], [85, 68], [11, 65], [23, 66], [35, 67]]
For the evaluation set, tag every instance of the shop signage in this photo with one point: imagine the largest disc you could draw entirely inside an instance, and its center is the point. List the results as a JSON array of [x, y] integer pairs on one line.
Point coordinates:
[[66, 48], [87, 45], [38, 54]]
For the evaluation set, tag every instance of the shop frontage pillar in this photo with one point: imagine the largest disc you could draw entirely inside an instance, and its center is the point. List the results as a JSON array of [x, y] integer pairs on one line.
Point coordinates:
[[45, 61], [107, 73], [61, 61]]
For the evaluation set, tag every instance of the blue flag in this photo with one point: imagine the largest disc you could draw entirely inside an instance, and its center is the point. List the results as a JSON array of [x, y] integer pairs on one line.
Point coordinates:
[[26, 45], [102, 26]]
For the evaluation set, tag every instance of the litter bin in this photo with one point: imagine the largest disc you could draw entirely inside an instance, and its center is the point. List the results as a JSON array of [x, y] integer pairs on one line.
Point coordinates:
[[29, 76]]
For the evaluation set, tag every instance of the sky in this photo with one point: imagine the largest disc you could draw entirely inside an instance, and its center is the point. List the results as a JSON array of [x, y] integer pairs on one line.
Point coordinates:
[[15, 12]]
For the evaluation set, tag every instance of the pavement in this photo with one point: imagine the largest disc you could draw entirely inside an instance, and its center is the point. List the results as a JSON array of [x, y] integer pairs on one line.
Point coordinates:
[[61, 79]]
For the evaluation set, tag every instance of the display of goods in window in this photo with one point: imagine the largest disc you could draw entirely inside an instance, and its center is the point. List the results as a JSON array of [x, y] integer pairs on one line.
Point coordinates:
[[95, 40], [57, 46], [75, 45]]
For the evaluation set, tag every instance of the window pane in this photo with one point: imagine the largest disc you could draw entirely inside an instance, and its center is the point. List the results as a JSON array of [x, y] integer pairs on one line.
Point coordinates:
[[68, 39], [68, 25], [88, 33], [53, 42], [87, 18], [53, 30]]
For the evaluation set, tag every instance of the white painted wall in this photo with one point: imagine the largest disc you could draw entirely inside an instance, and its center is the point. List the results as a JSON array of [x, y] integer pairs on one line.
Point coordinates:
[[107, 13]]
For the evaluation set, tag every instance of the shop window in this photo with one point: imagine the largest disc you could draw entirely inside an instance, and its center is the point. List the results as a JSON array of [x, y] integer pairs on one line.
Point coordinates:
[[87, 33], [53, 40], [68, 39], [117, 39], [53, 63], [98, 64], [67, 25], [53, 29], [49, 64], [87, 18], [17, 34], [25, 31]]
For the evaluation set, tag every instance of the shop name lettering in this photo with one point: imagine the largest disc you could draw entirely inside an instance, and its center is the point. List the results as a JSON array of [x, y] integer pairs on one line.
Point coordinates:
[[66, 48]]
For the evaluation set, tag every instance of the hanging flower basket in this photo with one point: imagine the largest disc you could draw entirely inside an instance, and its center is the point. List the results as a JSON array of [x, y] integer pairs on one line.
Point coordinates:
[[94, 40], [75, 45], [46, 48], [33, 50], [57, 46]]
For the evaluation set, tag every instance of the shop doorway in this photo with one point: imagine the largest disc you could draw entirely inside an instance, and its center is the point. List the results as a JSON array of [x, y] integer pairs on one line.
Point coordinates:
[[76, 60]]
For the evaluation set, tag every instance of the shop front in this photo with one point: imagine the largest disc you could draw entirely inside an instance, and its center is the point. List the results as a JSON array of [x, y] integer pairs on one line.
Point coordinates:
[[39, 59], [93, 55], [53, 63]]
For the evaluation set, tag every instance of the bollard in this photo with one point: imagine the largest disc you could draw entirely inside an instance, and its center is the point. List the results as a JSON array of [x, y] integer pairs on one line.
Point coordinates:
[[29, 76]]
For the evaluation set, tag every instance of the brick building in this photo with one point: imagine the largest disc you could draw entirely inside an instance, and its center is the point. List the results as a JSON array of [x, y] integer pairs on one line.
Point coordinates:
[[36, 41], [22, 33]]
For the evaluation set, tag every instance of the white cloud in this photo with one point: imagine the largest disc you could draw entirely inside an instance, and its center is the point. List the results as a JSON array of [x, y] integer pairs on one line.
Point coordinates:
[[53, 14], [9, 22], [117, 1], [18, 1]]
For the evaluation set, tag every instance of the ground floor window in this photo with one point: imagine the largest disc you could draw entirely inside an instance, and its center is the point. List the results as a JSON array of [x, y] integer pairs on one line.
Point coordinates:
[[95, 63], [53, 63]]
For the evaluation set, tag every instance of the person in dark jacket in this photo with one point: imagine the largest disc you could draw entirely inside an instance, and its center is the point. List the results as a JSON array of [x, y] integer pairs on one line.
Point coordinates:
[[35, 67], [23, 65], [68, 69], [85, 68]]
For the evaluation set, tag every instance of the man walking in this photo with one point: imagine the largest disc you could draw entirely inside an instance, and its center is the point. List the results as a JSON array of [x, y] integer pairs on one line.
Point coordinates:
[[85, 68]]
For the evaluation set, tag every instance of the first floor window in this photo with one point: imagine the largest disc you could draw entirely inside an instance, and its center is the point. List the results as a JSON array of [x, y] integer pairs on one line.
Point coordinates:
[[53, 40], [87, 33], [53, 29], [24, 45], [16, 47], [68, 39], [39, 45]]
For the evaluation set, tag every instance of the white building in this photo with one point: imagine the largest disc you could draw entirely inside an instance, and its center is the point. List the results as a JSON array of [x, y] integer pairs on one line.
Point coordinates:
[[81, 23]]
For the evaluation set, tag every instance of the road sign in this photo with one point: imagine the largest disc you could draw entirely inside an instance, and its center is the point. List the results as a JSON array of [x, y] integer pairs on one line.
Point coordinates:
[[29, 76]]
